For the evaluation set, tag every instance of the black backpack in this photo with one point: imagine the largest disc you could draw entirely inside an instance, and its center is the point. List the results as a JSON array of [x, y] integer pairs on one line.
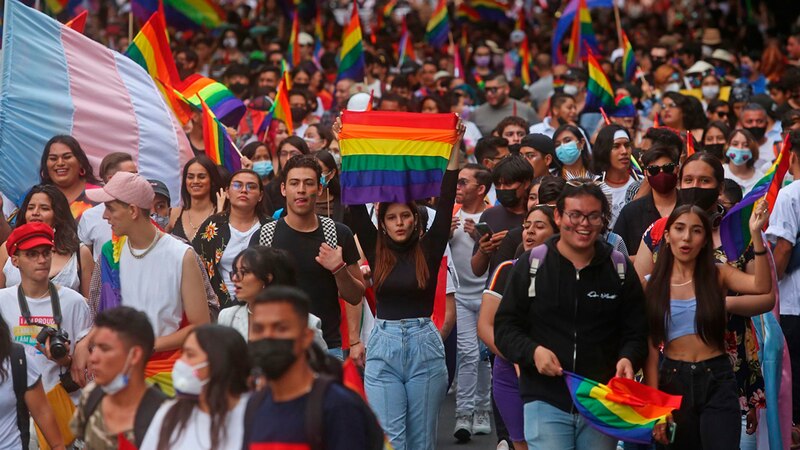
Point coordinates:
[[19, 376], [152, 400]]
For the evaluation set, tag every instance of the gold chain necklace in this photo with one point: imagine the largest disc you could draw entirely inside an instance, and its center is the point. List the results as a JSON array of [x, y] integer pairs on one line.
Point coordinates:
[[148, 249]]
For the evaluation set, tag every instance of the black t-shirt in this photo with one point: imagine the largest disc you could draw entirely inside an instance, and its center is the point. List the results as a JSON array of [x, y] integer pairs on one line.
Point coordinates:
[[279, 425], [315, 280], [633, 221], [500, 219], [273, 200]]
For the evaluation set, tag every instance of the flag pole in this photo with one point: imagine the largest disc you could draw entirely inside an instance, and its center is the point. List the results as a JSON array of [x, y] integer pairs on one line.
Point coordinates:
[[130, 26], [619, 23]]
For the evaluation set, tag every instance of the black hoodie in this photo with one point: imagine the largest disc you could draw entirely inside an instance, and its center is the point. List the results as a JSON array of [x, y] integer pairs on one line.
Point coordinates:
[[589, 318]]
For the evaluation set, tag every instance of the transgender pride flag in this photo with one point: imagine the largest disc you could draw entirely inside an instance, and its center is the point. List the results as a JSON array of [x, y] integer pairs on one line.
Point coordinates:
[[57, 81]]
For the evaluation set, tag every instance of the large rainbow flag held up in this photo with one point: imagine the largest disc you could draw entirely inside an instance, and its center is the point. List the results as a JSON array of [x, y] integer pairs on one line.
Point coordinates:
[[623, 409], [438, 26], [57, 81], [394, 156], [734, 230], [598, 90], [182, 14], [351, 56], [226, 106], [219, 147]]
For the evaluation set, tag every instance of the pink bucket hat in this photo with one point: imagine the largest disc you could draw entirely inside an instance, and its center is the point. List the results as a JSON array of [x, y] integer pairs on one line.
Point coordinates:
[[130, 188]]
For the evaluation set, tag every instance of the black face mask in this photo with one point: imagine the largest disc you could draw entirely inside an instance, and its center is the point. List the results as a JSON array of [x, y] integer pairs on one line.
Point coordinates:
[[757, 132], [273, 356], [658, 62], [705, 198], [300, 86], [715, 149], [507, 197], [298, 114], [238, 88]]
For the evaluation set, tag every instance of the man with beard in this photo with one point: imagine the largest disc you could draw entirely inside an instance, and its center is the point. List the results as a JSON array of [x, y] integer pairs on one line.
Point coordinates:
[[499, 106]]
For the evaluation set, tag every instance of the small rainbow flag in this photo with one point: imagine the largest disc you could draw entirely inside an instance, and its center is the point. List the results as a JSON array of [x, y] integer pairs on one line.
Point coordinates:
[[383, 161], [78, 23], [56, 6], [525, 62], [582, 35], [406, 48], [734, 231], [623, 409], [294, 50], [628, 59], [689, 143], [219, 98], [466, 13], [351, 56], [150, 49], [491, 10], [598, 90], [389, 7], [219, 146], [280, 110], [286, 75], [438, 26], [319, 36], [182, 14]]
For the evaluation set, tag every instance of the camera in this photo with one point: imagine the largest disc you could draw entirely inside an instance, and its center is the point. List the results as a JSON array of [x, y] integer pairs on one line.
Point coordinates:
[[58, 341]]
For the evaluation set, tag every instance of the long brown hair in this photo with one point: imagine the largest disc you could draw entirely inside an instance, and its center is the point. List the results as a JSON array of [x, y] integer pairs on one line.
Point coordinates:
[[710, 317], [386, 257]]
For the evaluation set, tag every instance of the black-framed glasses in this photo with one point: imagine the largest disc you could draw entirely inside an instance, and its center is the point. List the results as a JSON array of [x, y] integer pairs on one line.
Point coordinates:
[[721, 114], [249, 187], [666, 168], [576, 217], [239, 274], [492, 90]]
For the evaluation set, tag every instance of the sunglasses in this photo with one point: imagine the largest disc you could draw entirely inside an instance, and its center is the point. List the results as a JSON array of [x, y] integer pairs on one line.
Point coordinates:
[[666, 168]]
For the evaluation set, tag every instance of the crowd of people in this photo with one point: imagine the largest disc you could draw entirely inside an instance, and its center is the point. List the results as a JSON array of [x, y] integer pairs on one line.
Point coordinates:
[[563, 239]]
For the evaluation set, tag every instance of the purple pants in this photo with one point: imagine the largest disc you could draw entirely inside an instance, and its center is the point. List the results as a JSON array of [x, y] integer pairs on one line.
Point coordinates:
[[505, 387]]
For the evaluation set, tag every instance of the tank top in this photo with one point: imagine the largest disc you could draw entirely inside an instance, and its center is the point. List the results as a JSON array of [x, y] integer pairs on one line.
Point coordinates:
[[682, 318], [67, 277]]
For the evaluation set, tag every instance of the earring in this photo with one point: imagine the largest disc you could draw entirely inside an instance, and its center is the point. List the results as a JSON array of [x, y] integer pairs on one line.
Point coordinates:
[[82, 172]]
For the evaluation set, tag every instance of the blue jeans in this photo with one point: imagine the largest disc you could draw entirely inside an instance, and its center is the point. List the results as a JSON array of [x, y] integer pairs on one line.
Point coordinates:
[[336, 353], [405, 379], [547, 427]]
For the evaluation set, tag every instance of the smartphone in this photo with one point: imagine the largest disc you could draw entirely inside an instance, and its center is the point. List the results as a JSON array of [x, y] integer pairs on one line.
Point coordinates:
[[671, 427], [483, 228]]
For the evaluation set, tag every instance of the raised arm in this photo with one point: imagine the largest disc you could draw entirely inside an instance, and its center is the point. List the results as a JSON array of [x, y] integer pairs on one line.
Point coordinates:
[[761, 281]]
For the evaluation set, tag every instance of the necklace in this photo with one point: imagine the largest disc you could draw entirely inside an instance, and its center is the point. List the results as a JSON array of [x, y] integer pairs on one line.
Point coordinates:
[[148, 249], [682, 284], [189, 216]]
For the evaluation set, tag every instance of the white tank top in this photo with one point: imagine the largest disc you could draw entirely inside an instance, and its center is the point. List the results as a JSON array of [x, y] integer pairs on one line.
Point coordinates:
[[152, 284], [67, 277]]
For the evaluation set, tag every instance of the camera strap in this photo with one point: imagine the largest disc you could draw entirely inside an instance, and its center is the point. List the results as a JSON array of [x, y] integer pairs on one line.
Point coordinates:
[[55, 304]]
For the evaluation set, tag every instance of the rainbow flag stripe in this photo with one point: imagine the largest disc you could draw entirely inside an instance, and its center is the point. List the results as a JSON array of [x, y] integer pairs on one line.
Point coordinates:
[[406, 48], [219, 98], [623, 409], [280, 110], [466, 13], [219, 147], [525, 62], [351, 56], [293, 49], [386, 162], [734, 230], [438, 26], [56, 6], [491, 10], [598, 90], [582, 35], [628, 59], [182, 14], [150, 49]]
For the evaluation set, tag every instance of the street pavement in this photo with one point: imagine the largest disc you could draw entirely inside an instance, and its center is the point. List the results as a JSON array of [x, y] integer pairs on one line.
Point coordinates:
[[447, 421]]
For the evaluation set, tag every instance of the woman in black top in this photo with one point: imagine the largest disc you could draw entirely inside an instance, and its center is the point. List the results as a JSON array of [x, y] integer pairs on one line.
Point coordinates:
[[405, 374]]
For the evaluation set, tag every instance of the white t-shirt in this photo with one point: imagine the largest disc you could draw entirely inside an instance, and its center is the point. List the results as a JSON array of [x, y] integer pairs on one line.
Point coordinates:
[[616, 198], [784, 223], [197, 434], [93, 230], [470, 287], [745, 184], [75, 320], [9, 432], [239, 241], [152, 284]]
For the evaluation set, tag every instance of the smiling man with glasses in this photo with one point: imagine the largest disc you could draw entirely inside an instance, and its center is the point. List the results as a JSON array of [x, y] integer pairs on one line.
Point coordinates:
[[499, 106]]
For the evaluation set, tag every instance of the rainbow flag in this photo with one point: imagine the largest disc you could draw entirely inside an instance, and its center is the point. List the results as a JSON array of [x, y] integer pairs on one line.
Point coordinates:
[[182, 14], [294, 49], [582, 35], [406, 48], [628, 59], [438, 26], [383, 161], [219, 98], [525, 62], [689, 144], [219, 147], [56, 6], [491, 10], [466, 13], [734, 231], [280, 110], [623, 409], [150, 49], [351, 55], [598, 90], [319, 36], [389, 7], [286, 75], [567, 21]]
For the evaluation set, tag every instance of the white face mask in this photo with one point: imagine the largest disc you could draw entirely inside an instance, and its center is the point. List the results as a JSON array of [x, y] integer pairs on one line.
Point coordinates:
[[570, 89], [710, 92], [185, 380], [672, 87], [119, 382]]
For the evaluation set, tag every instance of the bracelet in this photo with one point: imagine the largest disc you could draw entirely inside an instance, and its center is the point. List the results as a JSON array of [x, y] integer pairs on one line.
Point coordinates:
[[339, 269], [762, 252], [354, 343]]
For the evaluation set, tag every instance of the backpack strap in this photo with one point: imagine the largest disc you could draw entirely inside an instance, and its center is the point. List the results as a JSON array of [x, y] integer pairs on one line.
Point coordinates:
[[89, 407], [267, 234], [620, 264], [255, 401], [314, 412], [19, 375], [329, 230], [152, 400], [537, 256]]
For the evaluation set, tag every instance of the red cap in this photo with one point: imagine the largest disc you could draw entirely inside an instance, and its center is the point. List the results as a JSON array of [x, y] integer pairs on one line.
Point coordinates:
[[30, 235]]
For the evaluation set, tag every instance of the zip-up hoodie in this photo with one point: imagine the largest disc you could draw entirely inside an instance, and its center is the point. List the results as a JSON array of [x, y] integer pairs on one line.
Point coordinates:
[[589, 318]]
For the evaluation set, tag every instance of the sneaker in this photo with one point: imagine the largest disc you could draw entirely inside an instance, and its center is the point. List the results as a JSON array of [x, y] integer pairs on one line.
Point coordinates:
[[463, 428], [481, 423], [503, 445]]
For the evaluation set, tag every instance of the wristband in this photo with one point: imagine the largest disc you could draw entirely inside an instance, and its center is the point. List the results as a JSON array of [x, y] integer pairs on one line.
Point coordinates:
[[762, 252], [339, 269], [354, 343]]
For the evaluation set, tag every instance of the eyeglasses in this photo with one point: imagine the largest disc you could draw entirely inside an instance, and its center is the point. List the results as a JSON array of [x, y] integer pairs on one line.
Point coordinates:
[[239, 274], [249, 187], [36, 254], [576, 217], [669, 105], [492, 90], [530, 156], [666, 168]]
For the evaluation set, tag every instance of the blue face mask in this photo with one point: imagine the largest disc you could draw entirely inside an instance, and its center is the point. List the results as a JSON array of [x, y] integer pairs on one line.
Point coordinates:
[[568, 153], [262, 168], [325, 180], [739, 156]]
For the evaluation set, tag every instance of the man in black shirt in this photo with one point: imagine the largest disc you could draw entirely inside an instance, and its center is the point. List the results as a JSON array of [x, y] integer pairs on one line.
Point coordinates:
[[323, 272]]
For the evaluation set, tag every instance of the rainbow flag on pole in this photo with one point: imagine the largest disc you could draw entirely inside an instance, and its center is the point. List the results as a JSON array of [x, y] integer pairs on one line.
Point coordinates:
[[280, 110], [628, 59], [226, 106], [582, 35], [623, 409], [406, 48], [438, 26], [734, 231], [219, 146], [598, 90], [351, 56], [182, 14], [466, 13], [294, 49], [491, 10], [394, 156]]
